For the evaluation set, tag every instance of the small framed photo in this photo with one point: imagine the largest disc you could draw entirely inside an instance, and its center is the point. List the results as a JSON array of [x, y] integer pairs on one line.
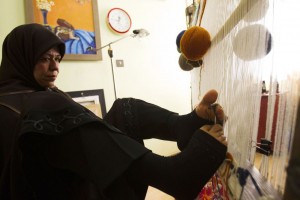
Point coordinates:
[[75, 22], [91, 99]]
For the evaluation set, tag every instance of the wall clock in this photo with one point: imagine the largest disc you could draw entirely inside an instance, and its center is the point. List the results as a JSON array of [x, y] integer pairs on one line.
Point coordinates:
[[118, 20]]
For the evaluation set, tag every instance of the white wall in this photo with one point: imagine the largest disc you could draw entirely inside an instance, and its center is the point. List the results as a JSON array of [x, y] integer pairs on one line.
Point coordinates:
[[151, 69]]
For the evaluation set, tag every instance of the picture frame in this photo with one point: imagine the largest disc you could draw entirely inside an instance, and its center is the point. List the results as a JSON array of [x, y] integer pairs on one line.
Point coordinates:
[[92, 99], [75, 22]]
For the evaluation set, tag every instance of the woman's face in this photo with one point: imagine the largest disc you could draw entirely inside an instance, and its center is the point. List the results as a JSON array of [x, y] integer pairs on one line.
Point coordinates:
[[47, 68]]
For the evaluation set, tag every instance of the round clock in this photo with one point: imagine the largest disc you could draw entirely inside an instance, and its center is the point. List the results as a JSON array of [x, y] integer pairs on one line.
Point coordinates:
[[119, 20]]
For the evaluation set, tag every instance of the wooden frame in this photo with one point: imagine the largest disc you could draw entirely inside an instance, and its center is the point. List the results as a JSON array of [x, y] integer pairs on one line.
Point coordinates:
[[91, 99], [75, 22]]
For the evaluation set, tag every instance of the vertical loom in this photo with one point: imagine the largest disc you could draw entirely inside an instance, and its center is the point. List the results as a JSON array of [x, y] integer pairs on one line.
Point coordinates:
[[245, 51]]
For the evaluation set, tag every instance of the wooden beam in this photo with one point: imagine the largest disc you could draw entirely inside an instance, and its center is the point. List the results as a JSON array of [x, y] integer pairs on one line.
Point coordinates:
[[294, 163], [238, 14]]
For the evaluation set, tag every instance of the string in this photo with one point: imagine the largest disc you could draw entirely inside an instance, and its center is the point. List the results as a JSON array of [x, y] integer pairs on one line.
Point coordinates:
[[201, 13]]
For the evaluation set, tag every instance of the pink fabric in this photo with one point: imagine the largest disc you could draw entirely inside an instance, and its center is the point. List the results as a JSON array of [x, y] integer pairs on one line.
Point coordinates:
[[213, 190]]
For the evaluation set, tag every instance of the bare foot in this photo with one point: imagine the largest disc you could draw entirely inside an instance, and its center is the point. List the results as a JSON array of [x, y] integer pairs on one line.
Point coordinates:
[[209, 109], [215, 131]]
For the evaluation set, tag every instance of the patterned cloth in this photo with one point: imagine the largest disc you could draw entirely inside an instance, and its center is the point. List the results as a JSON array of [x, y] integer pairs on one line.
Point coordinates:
[[213, 190]]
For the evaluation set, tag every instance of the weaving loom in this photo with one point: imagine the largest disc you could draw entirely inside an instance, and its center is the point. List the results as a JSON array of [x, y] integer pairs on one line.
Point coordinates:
[[248, 46]]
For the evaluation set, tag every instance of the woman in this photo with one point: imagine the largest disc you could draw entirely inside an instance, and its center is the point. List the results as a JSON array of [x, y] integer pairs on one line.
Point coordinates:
[[53, 148]]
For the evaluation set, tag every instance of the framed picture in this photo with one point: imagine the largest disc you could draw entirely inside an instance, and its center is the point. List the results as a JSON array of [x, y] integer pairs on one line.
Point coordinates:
[[74, 22], [91, 99]]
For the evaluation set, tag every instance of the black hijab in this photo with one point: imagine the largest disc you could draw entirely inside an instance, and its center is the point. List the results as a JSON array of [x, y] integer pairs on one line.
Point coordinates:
[[21, 49]]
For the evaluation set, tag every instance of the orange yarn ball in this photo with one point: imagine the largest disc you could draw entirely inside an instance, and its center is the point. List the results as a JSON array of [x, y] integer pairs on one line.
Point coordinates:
[[195, 42]]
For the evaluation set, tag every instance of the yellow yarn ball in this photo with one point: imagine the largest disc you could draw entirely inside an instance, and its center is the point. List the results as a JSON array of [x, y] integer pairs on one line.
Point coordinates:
[[194, 43]]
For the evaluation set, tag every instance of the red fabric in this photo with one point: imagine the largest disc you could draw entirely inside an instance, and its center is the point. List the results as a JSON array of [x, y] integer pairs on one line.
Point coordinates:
[[214, 189]]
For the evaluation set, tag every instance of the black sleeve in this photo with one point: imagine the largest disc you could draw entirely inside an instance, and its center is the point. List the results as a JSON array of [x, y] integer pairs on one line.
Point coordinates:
[[182, 175], [143, 120]]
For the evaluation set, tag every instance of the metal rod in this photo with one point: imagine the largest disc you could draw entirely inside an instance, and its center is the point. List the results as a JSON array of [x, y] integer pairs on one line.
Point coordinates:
[[108, 45], [110, 53]]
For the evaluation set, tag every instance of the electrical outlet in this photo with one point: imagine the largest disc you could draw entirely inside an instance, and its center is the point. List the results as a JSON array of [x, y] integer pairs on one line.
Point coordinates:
[[120, 63]]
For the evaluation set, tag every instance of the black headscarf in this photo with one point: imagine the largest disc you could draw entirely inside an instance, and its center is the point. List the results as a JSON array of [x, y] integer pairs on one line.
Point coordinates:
[[21, 49]]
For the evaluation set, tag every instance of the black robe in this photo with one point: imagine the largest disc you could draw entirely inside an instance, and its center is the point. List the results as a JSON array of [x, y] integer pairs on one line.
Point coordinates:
[[60, 147], [47, 126]]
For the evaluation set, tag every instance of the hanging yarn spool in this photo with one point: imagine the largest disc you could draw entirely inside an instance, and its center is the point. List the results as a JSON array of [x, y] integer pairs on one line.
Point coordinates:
[[178, 38], [252, 42], [258, 11], [195, 42], [188, 65]]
